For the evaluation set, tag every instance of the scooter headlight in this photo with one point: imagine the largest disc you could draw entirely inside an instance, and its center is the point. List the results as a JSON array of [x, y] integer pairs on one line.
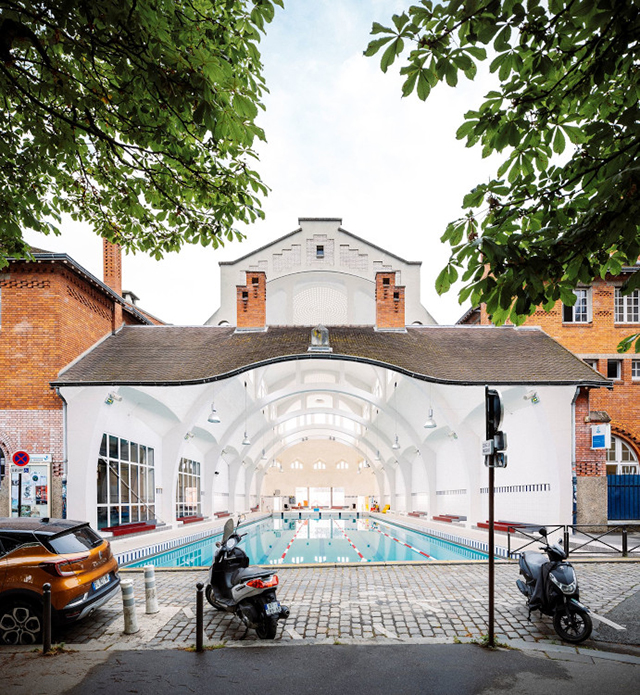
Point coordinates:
[[231, 543], [565, 588]]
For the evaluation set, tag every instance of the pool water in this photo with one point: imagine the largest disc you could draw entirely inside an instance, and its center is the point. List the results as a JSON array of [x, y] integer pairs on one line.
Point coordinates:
[[300, 541]]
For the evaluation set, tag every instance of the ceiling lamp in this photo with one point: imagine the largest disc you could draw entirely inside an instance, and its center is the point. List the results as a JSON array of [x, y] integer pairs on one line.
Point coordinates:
[[430, 423], [213, 415], [246, 441], [396, 444]]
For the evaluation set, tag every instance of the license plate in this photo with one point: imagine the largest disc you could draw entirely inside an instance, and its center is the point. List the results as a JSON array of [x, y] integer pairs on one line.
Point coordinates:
[[272, 608], [101, 582]]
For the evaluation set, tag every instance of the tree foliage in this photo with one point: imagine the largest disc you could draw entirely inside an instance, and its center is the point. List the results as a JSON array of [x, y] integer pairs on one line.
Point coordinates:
[[135, 115], [564, 205]]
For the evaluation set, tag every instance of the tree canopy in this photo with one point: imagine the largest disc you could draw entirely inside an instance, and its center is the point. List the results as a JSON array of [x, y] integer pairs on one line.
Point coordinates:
[[134, 115], [564, 206]]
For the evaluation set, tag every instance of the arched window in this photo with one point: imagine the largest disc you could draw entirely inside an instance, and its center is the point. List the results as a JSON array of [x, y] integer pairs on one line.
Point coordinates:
[[188, 489], [342, 466], [621, 459], [319, 466], [296, 466]]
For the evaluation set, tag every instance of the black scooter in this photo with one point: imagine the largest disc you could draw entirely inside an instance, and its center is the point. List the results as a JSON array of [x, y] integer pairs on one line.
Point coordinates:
[[551, 587], [248, 592]]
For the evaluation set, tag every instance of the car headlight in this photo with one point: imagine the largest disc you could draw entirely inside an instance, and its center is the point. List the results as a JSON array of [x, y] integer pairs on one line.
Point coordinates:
[[565, 588]]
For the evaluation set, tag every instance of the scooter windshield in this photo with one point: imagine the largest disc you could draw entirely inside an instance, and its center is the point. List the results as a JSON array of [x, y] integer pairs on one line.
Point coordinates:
[[229, 528]]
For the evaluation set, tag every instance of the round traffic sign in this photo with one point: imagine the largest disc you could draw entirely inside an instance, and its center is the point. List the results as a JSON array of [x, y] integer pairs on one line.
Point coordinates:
[[21, 458]]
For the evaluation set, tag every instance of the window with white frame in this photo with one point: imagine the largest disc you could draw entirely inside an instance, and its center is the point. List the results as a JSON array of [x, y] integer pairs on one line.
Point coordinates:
[[621, 459], [580, 312], [296, 465], [614, 369], [188, 489], [126, 482], [592, 363], [627, 306], [319, 466], [342, 465], [635, 369]]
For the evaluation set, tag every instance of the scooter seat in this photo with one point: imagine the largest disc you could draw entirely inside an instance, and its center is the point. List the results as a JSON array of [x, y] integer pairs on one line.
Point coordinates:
[[533, 562], [245, 574]]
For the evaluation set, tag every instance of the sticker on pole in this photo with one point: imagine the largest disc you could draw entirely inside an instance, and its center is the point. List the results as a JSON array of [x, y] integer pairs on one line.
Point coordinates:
[[21, 458]]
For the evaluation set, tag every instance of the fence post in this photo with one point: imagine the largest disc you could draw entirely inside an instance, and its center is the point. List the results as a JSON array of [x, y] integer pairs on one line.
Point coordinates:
[[625, 541], [151, 600], [129, 607], [199, 616], [46, 618], [566, 540]]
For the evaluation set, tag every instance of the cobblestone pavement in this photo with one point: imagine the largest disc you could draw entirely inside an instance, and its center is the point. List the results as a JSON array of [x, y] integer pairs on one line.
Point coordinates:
[[398, 602]]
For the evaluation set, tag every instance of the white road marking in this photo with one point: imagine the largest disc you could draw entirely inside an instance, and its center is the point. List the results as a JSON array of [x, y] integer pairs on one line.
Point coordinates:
[[378, 627]]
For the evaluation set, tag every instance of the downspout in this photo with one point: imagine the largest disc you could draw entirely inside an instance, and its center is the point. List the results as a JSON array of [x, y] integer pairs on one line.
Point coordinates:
[[65, 452], [574, 480]]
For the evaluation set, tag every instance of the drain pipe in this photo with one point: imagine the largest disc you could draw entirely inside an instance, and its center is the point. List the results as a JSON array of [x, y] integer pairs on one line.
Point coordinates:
[[573, 457], [65, 452]]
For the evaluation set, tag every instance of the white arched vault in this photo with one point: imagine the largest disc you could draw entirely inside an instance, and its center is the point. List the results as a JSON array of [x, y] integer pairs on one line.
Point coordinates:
[[300, 406]]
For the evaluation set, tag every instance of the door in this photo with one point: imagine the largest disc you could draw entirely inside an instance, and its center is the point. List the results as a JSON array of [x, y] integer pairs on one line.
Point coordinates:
[[623, 492]]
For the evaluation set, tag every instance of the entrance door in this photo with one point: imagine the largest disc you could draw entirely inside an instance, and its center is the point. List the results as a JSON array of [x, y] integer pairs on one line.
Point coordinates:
[[30, 490]]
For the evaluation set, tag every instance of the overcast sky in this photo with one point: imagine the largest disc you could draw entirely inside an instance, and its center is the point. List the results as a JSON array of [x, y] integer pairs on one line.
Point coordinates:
[[341, 142]]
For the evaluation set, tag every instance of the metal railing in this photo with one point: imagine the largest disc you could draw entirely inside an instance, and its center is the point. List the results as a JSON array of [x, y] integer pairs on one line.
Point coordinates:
[[580, 539]]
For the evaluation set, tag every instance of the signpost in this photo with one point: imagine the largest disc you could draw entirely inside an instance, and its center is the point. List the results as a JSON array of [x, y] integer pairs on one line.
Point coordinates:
[[21, 458], [494, 457]]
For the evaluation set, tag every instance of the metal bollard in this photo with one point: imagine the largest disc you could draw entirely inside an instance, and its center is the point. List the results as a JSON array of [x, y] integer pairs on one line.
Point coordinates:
[[46, 618], [129, 607], [150, 590], [199, 616]]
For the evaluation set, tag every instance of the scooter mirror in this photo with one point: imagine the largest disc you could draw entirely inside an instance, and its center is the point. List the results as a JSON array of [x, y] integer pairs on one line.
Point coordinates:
[[543, 532]]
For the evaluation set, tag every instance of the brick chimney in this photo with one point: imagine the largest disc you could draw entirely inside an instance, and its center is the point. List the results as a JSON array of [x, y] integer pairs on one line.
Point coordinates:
[[112, 275], [389, 302], [252, 301]]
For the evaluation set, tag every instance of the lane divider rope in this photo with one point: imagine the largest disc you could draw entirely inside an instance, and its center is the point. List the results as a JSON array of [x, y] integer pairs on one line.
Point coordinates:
[[306, 523], [350, 542], [415, 550]]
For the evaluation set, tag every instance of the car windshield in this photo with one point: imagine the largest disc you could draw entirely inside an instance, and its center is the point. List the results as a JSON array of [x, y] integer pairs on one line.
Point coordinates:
[[76, 540]]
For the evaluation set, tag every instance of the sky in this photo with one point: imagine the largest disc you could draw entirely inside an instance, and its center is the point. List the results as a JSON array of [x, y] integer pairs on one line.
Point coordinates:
[[341, 142]]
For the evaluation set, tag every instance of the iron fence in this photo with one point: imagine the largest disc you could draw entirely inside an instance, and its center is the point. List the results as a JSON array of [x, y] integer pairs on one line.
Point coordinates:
[[580, 539]]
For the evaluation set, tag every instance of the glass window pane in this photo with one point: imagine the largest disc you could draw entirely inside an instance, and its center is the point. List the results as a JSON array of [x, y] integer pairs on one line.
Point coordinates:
[[134, 452], [124, 450], [124, 482], [102, 517], [134, 512], [150, 458], [102, 482], [114, 516], [113, 447], [143, 455], [135, 497], [103, 445], [113, 482]]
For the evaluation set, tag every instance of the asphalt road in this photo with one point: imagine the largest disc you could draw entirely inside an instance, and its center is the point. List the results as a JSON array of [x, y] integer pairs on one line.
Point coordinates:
[[405, 669]]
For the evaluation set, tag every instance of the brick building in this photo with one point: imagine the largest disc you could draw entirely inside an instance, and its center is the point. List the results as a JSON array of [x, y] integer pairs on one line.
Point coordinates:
[[51, 311], [601, 317]]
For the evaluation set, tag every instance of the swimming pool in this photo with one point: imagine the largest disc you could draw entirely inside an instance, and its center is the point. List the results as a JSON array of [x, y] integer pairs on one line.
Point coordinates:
[[321, 541]]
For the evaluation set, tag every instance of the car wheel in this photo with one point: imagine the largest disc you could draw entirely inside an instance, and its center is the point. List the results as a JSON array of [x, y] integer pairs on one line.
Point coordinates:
[[20, 623]]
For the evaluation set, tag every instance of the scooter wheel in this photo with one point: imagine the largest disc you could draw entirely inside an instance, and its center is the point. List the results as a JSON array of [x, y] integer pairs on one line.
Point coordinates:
[[573, 626], [267, 628]]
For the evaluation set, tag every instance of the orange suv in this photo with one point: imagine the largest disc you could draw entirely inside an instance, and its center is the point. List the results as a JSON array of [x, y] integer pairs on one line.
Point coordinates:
[[69, 555]]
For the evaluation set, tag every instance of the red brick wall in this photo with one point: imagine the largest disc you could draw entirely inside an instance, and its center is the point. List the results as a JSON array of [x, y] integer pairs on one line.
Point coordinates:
[[389, 301], [589, 462], [251, 301], [49, 317], [599, 339]]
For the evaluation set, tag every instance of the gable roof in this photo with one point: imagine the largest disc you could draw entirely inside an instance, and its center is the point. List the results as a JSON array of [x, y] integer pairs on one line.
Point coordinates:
[[464, 355]]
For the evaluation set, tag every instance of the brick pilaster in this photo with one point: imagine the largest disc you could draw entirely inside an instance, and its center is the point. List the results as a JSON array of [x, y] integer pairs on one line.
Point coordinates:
[[251, 301], [390, 301]]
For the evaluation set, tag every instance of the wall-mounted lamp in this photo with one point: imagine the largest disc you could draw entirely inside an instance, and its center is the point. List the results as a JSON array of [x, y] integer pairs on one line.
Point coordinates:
[[452, 435], [189, 435], [532, 396], [216, 473], [111, 397], [430, 423]]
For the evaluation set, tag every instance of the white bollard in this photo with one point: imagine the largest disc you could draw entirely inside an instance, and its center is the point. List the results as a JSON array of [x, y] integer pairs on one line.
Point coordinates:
[[150, 590], [129, 607]]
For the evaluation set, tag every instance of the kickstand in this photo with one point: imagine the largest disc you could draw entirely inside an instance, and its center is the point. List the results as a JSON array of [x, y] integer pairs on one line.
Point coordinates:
[[246, 632]]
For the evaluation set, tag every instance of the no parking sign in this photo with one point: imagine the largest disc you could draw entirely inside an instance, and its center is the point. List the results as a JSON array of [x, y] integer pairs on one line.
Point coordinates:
[[21, 458]]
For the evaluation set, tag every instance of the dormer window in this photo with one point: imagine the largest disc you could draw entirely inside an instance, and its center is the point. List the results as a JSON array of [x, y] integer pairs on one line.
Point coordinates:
[[320, 251]]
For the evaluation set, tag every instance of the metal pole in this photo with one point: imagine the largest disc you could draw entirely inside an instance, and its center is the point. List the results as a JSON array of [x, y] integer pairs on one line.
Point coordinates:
[[488, 435], [199, 616], [625, 542], [46, 618]]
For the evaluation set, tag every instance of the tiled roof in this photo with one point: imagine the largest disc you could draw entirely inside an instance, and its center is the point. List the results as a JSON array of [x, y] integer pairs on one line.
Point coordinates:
[[171, 355]]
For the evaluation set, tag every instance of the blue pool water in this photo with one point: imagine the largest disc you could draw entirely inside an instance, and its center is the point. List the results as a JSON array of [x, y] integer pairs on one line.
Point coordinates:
[[297, 541]]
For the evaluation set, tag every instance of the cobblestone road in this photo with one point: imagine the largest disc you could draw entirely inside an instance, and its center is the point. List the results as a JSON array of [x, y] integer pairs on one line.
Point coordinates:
[[404, 602]]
